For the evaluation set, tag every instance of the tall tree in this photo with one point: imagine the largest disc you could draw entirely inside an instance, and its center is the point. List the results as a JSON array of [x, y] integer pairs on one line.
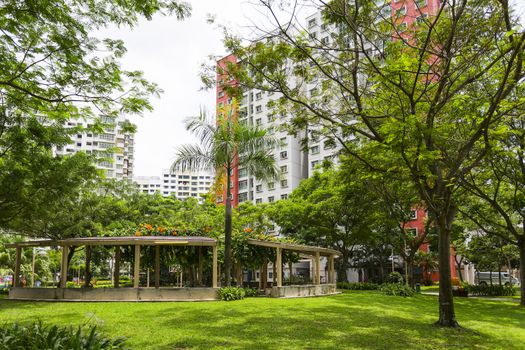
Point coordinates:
[[226, 144], [426, 96], [54, 69], [495, 199]]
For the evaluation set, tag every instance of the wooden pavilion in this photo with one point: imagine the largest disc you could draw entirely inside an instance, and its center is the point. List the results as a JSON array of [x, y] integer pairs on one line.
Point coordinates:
[[166, 293]]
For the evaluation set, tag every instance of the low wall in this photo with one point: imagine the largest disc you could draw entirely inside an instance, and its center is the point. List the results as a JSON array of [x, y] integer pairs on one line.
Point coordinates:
[[114, 294], [308, 290]]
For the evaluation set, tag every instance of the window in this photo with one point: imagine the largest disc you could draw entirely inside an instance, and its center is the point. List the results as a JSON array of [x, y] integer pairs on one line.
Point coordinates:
[[421, 3], [402, 27], [243, 172], [284, 141], [411, 232], [402, 11], [258, 109], [313, 35], [243, 184], [221, 93], [284, 155], [413, 214], [314, 149], [258, 188], [270, 274], [325, 40], [284, 169], [258, 121], [271, 199], [258, 200], [243, 197], [328, 144], [284, 183], [312, 23], [284, 196], [219, 199], [79, 144], [271, 185], [258, 95], [314, 164]]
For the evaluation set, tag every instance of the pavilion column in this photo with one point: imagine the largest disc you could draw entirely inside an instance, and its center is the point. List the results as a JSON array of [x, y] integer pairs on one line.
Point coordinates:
[[279, 267], [87, 270], [317, 268], [214, 274], [116, 267], [331, 276], [18, 260], [63, 268], [157, 266], [136, 268]]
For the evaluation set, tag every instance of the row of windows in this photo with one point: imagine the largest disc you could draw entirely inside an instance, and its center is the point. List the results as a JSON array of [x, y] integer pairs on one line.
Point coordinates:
[[271, 199], [188, 177]]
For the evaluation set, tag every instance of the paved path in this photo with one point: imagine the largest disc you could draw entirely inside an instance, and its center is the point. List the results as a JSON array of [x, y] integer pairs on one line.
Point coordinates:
[[485, 298]]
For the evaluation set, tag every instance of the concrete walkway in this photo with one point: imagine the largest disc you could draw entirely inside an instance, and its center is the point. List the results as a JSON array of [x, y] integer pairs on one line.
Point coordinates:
[[476, 297]]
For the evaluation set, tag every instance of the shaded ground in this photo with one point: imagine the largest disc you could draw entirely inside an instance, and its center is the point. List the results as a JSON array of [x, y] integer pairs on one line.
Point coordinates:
[[353, 320]]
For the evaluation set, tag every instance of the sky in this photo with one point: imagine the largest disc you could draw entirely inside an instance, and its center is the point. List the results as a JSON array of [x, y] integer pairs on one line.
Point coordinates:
[[170, 53]]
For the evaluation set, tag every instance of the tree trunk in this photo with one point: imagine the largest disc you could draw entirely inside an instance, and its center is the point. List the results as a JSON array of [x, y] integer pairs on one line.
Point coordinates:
[[87, 272], [522, 271], [458, 267], [228, 231], [447, 316]]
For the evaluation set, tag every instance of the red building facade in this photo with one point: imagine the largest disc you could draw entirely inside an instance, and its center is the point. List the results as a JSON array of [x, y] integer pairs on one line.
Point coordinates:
[[222, 101]]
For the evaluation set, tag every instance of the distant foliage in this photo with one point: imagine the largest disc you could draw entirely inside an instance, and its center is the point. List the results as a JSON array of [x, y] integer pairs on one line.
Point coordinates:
[[397, 289], [251, 292], [395, 278], [491, 291], [36, 336], [357, 285], [232, 293]]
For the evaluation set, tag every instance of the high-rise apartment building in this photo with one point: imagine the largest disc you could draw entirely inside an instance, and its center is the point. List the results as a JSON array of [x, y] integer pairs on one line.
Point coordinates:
[[114, 147], [300, 154], [180, 184]]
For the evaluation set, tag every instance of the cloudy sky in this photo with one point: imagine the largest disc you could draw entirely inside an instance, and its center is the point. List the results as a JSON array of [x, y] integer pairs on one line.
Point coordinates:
[[170, 53]]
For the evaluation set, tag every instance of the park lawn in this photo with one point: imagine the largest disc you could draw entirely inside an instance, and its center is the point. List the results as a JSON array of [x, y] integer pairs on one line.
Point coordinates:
[[352, 320]]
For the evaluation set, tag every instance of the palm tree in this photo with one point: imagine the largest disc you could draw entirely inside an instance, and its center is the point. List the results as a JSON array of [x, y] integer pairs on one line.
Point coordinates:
[[226, 144]]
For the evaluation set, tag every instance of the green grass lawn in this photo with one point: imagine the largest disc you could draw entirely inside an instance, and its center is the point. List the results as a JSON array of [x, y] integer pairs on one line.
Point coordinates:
[[353, 320]]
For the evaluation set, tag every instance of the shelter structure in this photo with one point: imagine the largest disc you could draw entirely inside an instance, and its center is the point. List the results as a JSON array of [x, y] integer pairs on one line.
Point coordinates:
[[158, 293]]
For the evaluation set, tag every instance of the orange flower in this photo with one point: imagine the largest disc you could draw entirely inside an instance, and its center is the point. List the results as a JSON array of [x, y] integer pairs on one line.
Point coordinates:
[[149, 227], [161, 229], [138, 233], [248, 229], [174, 233]]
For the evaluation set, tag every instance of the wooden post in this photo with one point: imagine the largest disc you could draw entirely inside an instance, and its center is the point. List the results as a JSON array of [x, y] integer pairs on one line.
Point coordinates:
[[18, 259], [87, 270], [214, 272], [331, 269], [157, 266], [136, 269], [200, 269], [317, 268], [63, 268], [116, 267], [279, 268]]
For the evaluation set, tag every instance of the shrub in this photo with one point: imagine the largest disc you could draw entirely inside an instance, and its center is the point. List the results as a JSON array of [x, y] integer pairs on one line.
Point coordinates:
[[231, 293], [4, 291], [251, 292], [36, 336], [395, 278], [397, 289], [357, 285], [491, 291]]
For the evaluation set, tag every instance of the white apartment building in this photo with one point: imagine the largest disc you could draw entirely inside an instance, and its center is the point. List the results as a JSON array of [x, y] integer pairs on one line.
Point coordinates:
[[297, 155], [113, 147], [180, 184]]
